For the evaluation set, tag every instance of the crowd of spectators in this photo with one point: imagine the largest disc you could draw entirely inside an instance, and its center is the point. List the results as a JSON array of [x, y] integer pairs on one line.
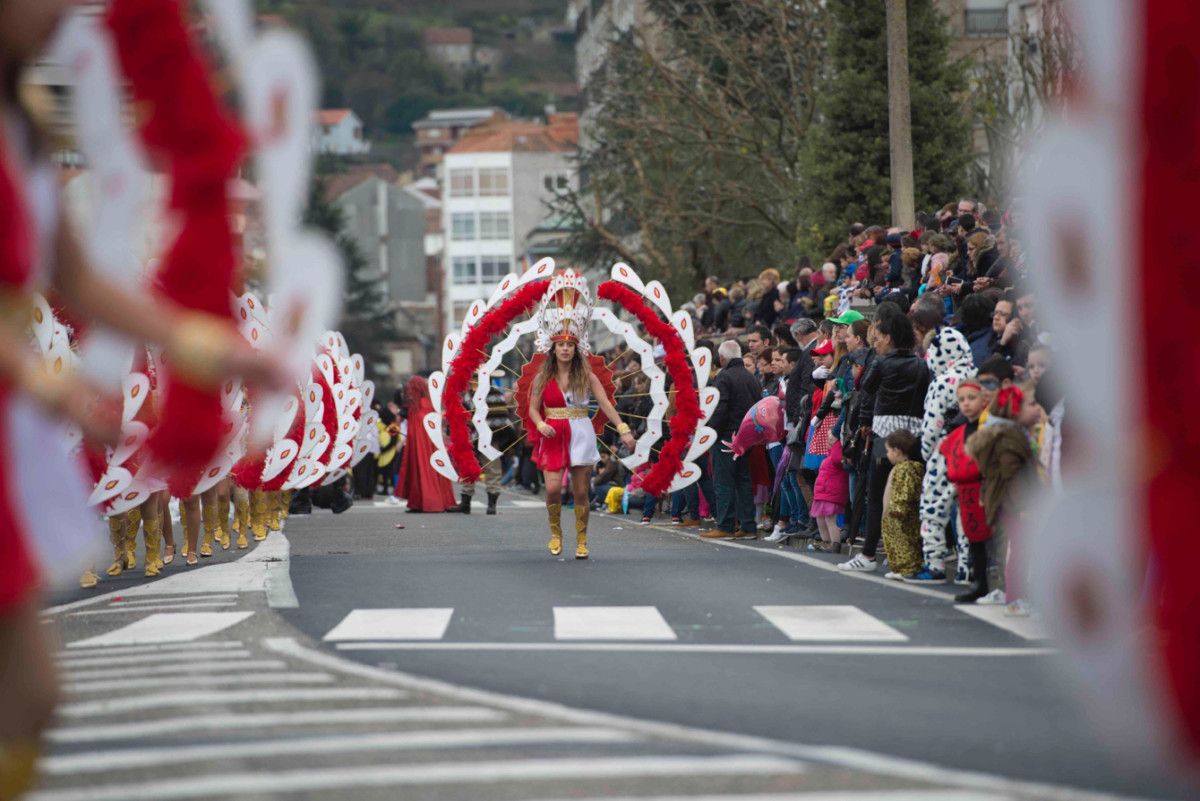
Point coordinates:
[[912, 370]]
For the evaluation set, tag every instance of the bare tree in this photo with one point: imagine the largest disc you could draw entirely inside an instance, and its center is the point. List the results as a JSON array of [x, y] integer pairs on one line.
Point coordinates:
[[1012, 95], [692, 165]]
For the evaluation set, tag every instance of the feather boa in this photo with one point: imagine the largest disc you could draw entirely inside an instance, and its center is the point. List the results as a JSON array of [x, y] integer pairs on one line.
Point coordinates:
[[471, 354], [687, 405], [187, 128]]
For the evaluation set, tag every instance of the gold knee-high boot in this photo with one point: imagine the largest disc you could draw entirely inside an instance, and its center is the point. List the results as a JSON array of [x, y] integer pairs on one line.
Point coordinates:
[[223, 523], [133, 521], [258, 515], [285, 504], [116, 535], [274, 512], [581, 521], [208, 516], [241, 520], [554, 510], [18, 769], [152, 533]]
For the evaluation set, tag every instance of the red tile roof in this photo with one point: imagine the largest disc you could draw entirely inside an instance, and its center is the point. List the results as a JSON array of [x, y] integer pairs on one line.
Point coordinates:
[[559, 136], [332, 116], [449, 36]]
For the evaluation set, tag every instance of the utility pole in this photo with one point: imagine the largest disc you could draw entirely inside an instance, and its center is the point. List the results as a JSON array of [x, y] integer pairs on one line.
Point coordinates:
[[904, 212]]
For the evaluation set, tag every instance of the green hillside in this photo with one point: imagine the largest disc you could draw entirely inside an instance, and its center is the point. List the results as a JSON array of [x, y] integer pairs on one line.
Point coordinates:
[[371, 58]]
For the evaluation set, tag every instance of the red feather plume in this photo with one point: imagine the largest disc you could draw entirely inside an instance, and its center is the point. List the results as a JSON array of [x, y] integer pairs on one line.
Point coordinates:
[[687, 404], [471, 354]]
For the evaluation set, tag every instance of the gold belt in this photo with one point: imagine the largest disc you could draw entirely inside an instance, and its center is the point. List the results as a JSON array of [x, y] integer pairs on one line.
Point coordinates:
[[565, 413]]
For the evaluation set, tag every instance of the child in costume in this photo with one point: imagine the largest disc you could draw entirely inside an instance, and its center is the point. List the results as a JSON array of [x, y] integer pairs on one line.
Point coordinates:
[[901, 498]]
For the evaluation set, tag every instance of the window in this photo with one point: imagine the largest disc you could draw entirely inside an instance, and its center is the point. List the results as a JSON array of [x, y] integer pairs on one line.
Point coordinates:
[[556, 182], [494, 225], [493, 182], [463, 269], [493, 268], [986, 22], [462, 227], [462, 183], [434, 133]]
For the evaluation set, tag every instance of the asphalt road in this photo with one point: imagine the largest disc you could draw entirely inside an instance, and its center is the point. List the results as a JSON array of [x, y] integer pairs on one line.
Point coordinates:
[[454, 658]]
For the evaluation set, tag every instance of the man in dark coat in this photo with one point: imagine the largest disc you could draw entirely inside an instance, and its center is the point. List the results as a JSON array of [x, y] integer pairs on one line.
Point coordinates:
[[739, 390]]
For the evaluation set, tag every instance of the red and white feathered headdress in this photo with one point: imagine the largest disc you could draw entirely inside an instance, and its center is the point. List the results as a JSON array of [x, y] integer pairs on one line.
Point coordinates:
[[565, 312]]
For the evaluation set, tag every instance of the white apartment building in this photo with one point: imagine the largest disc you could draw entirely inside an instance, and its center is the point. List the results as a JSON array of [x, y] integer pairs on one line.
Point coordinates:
[[498, 181]]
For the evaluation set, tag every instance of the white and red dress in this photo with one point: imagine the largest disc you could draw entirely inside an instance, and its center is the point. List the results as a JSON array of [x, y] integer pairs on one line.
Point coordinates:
[[574, 440]]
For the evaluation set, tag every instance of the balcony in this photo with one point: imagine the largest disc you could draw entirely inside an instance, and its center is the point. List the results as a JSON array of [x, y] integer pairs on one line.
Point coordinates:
[[986, 22]]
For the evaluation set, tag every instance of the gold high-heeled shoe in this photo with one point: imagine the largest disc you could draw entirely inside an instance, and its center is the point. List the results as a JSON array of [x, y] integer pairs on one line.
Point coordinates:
[[89, 579]]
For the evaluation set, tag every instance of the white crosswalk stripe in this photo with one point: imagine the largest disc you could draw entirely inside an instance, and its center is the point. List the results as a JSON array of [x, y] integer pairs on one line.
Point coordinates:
[[392, 624], [140, 703], [610, 623], [127, 682], [1027, 628], [181, 670], [168, 627], [840, 623]]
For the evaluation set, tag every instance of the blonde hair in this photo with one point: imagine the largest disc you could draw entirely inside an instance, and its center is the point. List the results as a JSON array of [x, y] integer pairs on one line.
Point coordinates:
[[770, 272]]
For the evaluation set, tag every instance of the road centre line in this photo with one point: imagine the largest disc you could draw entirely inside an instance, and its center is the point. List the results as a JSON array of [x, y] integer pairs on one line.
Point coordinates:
[[438, 773], [853, 758], [180, 670], [201, 680], [93, 761], [164, 700], [246, 720], [698, 648]]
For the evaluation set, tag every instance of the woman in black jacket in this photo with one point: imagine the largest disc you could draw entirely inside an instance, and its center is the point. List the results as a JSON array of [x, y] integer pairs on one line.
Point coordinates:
[[898, 380]]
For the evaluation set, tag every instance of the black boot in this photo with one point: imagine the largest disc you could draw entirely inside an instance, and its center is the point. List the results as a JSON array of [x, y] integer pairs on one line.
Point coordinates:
[[978, 556], [465, 506], [492, 498]]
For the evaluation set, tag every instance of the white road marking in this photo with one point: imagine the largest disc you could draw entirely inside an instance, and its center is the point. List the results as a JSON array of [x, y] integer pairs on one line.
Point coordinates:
[[525, 504], [697, 648], [177, 698], [121, 609], [437, 773], [168, 627], [158, 599], [193, 680], [834, 795], [182, 670], [120, 650], [1026, 628], [885, 765], [275, 720], [610, 623], [820, 564], [828, 623], [392, 624], [337, 744], [182, 657]]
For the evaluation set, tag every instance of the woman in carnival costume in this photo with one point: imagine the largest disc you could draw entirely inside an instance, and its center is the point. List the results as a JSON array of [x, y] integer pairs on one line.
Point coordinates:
[[40, 513], [563, 436]]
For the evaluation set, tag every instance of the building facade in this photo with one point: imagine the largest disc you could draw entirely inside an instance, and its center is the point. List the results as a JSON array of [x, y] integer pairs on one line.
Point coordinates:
[[453, 48], [441, 129], [388, 223], [339, 132], [497, 187]]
